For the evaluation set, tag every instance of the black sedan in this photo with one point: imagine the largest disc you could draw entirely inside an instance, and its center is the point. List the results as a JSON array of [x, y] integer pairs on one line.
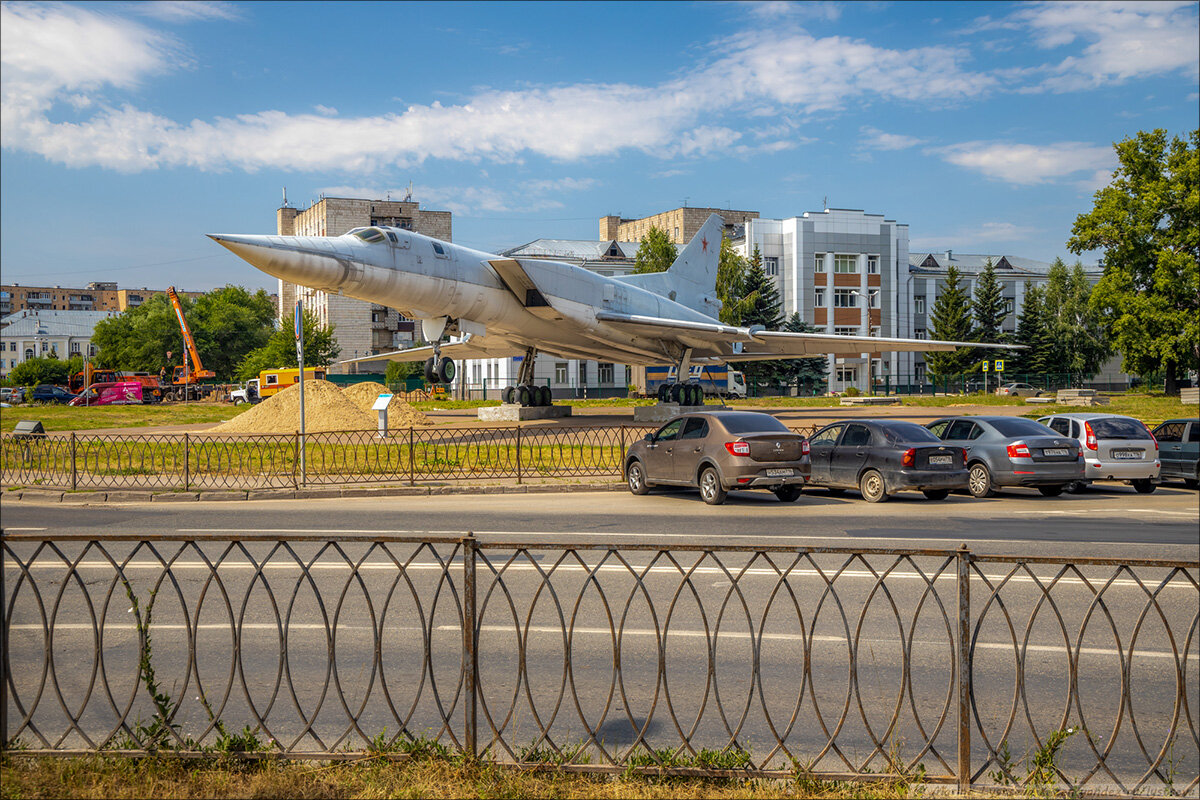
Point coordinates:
[[882, 457], [48, 393]]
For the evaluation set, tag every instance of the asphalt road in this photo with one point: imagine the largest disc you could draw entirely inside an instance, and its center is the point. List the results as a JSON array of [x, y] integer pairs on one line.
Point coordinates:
[[612, 624]]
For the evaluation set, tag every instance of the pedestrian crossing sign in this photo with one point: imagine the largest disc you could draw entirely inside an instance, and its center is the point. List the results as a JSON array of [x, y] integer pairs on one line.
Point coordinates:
[[999, 365]]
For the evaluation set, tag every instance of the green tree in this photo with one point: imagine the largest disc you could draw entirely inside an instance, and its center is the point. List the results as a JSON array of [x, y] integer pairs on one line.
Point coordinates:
[[731, 282], [46, 369], [320, 349], [656, 253], [811, 375], [987, 310], [140, 338], [1075, 343], [1147, 223], [399, 370], [228, 323], [760, 305], [951, 319], [1031, 332]]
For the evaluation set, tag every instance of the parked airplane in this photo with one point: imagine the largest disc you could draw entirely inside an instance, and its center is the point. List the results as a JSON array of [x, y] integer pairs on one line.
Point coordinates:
[[502, 307]]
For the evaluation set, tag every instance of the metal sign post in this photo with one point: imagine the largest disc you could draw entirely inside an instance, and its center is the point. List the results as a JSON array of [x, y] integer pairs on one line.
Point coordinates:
[[985, 375], [299, 323]]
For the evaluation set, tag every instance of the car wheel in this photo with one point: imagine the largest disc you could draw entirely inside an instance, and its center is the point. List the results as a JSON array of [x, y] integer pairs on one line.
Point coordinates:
[[1051, 491], [936, 494], [1077, 487], [636, 478], [788, 494], [237, 401], [710, 487], [872, 487], [1144, 486], [1192, 483], [979, 481]]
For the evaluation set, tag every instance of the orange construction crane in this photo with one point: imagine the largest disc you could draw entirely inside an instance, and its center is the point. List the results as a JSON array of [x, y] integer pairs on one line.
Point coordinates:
[[182, 375]]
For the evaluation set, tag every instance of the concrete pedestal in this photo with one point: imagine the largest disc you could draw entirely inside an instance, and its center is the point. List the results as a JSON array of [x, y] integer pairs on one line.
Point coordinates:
[[661, 412], [512, 412]]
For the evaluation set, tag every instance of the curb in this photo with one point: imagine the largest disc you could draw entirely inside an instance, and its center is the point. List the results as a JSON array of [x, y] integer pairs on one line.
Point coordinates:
[[325, 493]]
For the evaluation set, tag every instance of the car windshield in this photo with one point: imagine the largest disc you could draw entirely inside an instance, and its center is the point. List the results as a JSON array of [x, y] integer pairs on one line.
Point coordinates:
[[1021, 427], [752, 423], [1119, 428], [908, 432]]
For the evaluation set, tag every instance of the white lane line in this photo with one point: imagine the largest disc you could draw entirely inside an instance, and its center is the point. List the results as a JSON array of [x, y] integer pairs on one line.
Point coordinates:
[[1084, 512], [12, 530], [756, 572], [603, 632]]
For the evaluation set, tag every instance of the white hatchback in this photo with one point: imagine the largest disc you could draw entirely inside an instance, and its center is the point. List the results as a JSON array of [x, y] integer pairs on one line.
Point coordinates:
[[1115, 448]]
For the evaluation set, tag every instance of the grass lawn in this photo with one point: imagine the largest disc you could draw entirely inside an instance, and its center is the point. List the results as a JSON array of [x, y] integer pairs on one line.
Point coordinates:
[[77, 418]]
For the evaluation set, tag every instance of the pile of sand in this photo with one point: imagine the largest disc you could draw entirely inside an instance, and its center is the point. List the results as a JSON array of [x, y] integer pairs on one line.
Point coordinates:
[[325, 409], [400, 413]]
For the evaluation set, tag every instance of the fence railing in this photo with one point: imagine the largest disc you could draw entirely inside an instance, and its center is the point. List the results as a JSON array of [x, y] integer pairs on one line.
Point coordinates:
[[80, 461], [940, 665]]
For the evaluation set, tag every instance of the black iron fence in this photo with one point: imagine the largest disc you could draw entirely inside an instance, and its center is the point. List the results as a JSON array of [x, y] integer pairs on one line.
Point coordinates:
[[187, 461], [941, 665]]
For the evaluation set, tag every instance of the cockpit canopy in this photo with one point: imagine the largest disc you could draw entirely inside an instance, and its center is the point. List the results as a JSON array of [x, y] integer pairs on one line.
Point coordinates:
[[372, 235]]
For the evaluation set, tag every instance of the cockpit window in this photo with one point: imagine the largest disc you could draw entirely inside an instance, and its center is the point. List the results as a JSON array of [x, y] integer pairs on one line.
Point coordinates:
[[391, 236], [370, 235], [437, 248]]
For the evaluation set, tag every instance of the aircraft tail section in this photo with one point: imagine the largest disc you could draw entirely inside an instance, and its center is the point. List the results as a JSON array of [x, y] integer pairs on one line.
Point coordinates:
[[692, 279]]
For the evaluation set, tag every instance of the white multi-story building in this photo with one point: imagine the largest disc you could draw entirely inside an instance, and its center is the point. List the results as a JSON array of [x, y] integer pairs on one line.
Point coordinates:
[[37, 333]]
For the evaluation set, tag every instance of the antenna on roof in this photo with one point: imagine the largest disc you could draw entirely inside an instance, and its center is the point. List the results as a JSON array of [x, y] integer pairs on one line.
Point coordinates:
[[408, 195], [285, 202], [825, 202]]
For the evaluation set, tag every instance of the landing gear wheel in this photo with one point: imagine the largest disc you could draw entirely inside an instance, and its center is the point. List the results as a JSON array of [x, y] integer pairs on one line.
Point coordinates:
[[676, 393], [522, 395], [710, 487], [545, 398], [431, 369], [695, 395], [872, 488], [1077, 487], [788, 494], [1052, 491], [664, 391], [636, 478], [936, 494], [1144, 486], [979, 481], [446, 370], [506, 396]]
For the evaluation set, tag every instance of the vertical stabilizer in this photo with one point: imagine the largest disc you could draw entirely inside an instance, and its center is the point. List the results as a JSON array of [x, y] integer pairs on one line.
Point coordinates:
[[697, 264]]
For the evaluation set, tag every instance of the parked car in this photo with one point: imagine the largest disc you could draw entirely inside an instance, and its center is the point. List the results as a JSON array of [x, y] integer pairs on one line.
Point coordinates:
[[6, 393], [48, 393], [1115, 448], [1179, 450], [720, 451], [882, 457], [119, 393], [1019, 390], [1012, 451]]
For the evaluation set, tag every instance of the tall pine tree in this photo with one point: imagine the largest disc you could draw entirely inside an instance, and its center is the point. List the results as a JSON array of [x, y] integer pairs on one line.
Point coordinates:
[[811, 375], [951, 320], [1031, 332], [988, 310], [760, 305]]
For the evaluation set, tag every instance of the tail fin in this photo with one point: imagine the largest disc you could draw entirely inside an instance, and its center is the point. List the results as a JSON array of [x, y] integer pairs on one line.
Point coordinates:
[[692, 279]]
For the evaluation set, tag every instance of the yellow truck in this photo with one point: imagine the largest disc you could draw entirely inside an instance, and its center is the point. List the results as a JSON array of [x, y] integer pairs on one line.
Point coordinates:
[[270, 381]]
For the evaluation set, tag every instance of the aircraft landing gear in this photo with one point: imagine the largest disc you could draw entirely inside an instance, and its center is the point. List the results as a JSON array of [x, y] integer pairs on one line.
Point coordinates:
[[685, 394], [525, 393], [440, 370]]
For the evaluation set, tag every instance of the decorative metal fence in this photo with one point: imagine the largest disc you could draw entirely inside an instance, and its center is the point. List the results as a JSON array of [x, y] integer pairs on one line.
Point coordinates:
[[941, 665]]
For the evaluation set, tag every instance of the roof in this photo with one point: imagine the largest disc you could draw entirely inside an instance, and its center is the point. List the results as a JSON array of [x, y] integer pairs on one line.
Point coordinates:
[[580, 249], [974, 263], [39, 322]]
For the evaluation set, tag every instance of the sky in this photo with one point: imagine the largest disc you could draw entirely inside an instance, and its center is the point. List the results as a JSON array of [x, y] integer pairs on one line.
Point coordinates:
[[130, 130]]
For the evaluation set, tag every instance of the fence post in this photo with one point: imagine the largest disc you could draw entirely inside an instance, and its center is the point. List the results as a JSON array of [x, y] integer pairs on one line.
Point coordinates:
[[187, 462], [412, 459], [518, 455], [3, 654], [963, 667], [296, 460], [621, 464], [470, 657], [74, 471]]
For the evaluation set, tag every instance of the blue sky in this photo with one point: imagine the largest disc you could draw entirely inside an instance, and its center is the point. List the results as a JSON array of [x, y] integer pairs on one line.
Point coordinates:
[[129, 130]]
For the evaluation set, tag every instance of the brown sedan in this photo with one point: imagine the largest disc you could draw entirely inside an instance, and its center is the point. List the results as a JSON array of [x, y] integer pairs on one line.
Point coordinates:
[[720, 451]]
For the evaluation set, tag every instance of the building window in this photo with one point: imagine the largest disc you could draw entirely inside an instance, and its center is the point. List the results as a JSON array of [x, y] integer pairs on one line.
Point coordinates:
[[874, 331], [919, 304], [28, 353], [819, 263], [919, 333], [845, 264], [605, 374], [583, 373], [771, 265], [849, 330], [845, 298], [1008, 306], [872, 265], [819, 301], [847, 374], [560, 372]]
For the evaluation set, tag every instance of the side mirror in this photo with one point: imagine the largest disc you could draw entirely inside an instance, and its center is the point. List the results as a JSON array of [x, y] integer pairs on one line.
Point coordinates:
[[649, 437]]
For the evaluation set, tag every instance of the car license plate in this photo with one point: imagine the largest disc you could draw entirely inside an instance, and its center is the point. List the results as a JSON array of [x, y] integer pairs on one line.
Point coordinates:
[[1127, 455], [1056, 451], [940, 460], [780, 473]]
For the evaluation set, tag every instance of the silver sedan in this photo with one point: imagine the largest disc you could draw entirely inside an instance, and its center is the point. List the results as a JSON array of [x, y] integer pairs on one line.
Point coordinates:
[[1011, 451]]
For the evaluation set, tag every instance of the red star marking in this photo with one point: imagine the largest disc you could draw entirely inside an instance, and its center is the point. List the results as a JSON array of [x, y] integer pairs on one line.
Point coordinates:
[[704, 244]]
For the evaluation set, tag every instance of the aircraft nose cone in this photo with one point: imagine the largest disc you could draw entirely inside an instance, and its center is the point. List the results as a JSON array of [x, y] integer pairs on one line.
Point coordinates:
[[294, 259]]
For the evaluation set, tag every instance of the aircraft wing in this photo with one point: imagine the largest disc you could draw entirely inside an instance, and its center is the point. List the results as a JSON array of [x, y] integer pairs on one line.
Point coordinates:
[[469, 347], [754, 343]]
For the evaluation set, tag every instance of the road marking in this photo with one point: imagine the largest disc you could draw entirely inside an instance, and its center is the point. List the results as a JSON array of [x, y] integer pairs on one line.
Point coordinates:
[[584, 631], [1082, 512], [12, 530], [635, 569]]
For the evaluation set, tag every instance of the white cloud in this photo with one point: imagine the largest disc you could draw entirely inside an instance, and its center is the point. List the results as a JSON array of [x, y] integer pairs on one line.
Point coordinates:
[[527, 196], [185, 10], [1027, 164], [1125, 40], [875, 139], [967, 239]]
